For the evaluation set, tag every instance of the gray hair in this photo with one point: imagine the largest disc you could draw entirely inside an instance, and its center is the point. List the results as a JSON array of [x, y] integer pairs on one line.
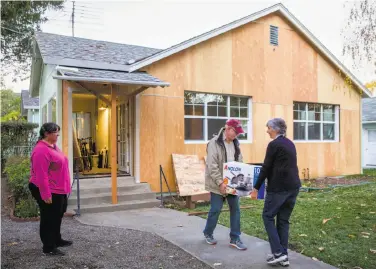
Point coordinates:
[[278, 125]]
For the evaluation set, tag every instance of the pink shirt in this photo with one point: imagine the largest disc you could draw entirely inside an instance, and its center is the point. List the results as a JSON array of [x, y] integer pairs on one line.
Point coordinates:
[[49, 170]]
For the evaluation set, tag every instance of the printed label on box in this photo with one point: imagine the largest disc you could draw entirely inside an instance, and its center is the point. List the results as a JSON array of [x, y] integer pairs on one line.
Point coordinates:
[[240, 179]]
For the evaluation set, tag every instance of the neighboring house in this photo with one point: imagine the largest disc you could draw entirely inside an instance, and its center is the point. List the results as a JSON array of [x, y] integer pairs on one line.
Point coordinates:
[[172, 101], [369, 131], [30, 107]]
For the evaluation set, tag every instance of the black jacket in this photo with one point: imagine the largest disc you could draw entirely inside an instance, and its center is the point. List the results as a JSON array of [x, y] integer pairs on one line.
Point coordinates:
[[280, 166]]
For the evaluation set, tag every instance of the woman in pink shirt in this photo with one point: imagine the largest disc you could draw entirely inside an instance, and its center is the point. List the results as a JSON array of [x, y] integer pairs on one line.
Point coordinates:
[[49, 184]]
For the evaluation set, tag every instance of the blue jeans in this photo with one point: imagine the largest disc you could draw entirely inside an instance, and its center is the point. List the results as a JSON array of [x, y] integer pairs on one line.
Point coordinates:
[[216, 204], [280, 204]]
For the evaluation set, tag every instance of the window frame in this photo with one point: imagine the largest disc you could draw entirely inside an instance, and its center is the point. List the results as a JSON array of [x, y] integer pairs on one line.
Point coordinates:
[[228, 107], [336, 123]]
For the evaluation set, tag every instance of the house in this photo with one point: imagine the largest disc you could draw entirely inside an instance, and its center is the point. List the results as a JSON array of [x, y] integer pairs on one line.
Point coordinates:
[[369, 131], [30, 107], [136, 106]]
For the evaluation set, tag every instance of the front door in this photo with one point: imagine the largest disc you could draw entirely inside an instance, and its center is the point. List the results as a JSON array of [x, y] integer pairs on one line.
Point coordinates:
[[124, 137], [370, 154]]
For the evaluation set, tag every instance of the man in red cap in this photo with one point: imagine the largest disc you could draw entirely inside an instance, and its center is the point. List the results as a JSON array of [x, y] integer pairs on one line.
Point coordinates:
[[221, 149]]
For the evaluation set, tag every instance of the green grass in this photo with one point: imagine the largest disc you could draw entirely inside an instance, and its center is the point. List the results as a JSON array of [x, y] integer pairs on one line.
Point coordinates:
[[350, 212]]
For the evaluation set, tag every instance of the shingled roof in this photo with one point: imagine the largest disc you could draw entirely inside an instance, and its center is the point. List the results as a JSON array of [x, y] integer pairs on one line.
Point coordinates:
[[54, 48], [369, 109], [28, 101], [136, 78]]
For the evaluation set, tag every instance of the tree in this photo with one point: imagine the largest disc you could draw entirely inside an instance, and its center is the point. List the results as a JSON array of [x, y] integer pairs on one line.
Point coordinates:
[[19, 21], [360, 32], [10, 105]]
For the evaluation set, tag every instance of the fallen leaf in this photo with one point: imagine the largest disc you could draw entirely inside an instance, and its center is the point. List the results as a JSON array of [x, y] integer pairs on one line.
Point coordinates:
[[158, 245], [357, 267], [321, 248], [373, 251], [351, 236], [12, 244], [301, 252], [372, 212], [315, 259], [303, 235], [363, 205], [365, 236], [117, 243], [357, 217], [171, 256], [366, 233], [339, 207], [325, 220], [323, 232], [217, 264]]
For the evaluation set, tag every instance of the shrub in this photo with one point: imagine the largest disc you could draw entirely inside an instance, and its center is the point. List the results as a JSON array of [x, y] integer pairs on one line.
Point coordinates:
[[27, 208], [17, 170], [17, 139]]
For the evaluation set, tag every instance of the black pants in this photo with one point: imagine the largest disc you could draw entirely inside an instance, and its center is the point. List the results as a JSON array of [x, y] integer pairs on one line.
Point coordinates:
[[280, 205], [51, 216]]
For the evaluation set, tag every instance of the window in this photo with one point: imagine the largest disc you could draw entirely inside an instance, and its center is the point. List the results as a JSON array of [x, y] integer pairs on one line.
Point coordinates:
[[372, 136], [273, 35], [44, 114], [206, 114], [316, 122], [52, 109]]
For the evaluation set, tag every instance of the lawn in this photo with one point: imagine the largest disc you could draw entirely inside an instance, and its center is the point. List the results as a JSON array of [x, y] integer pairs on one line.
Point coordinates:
[[337, 226]]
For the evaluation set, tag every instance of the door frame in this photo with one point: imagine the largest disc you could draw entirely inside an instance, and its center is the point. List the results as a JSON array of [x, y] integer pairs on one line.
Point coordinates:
[[126, 109], [366, 146]]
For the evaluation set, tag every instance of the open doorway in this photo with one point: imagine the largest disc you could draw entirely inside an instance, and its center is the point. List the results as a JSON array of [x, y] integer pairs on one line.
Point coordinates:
[[91, 125]]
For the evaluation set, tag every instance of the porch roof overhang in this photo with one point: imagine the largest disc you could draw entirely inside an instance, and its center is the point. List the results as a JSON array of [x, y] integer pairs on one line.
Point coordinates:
[[109, 76]]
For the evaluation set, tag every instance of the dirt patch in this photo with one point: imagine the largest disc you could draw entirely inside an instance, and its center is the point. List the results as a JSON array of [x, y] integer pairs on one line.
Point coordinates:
[[335, 181]]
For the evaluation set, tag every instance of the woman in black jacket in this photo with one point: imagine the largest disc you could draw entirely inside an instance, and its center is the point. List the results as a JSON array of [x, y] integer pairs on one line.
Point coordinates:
[[283, 184]]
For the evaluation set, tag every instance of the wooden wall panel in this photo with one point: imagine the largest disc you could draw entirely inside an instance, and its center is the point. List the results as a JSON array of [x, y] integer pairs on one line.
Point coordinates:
[[243, 62], [332, 87]]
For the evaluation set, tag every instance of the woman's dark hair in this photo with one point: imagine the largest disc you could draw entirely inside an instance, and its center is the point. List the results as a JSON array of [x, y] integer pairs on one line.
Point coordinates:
[[48, 127]]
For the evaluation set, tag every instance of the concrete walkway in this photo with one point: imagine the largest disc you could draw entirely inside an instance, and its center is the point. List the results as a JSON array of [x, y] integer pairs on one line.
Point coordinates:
[[186, 232]]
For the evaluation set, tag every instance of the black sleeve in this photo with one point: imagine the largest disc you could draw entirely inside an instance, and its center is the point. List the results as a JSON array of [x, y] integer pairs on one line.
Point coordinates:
[[267, 165]]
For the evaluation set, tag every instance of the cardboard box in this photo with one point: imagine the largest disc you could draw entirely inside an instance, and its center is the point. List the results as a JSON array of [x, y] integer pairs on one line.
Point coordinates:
[[256, 172], [238, 177], [241, 177]]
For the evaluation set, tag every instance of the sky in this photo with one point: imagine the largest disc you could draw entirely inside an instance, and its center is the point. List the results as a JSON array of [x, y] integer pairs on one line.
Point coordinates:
[[161, 24]]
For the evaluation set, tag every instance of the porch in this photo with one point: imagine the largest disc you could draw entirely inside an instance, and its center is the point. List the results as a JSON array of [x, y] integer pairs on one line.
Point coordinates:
[[100, 124]]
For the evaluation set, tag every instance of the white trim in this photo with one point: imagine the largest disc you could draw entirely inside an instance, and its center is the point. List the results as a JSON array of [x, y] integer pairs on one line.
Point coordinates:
[[137, 168], [110, 80], [368, 122], [362, 148], [70, 132], [235, 24], [31, 107], [315, 141]]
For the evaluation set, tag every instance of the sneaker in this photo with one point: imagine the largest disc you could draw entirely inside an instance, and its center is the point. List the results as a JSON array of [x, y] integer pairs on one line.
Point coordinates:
[[54, 252], [64, 243], [210, 240], [276, 258], [238, 244], [285, 263]]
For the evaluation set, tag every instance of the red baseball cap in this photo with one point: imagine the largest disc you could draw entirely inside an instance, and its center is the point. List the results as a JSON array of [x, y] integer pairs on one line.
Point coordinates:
[[236, 124]]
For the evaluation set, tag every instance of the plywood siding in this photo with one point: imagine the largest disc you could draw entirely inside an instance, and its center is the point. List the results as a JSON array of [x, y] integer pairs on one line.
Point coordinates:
[[242, 62]]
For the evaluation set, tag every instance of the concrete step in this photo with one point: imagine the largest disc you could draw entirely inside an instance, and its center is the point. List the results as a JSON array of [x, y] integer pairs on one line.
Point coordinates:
[[107, 207], [100, 198], [101, 189]]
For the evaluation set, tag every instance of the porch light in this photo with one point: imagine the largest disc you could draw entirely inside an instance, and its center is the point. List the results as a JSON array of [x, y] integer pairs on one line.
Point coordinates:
[[103, 107]]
